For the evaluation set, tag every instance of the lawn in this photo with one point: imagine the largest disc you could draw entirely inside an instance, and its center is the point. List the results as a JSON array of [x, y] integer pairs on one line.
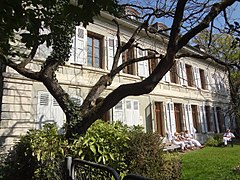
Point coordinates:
[[211, 163]]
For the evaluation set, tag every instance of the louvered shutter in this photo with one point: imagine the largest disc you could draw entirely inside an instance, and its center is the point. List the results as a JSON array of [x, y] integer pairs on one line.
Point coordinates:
[[73, 50], [203, 119], [143, 70], [135, 112], [168, 118], [43, 109], [197, 77], [43, 51], [57, 114], [216, 119], [208, 81], [182, 73], [187, 116], [110, 52], [172, 115], [81, 45], [166, 77], [129, 112], [77, 100], [118, 112]]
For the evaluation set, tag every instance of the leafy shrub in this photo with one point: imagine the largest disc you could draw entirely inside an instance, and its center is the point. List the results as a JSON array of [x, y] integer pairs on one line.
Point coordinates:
[[215, 141], [211, 142], [146, 157], [40, 154]]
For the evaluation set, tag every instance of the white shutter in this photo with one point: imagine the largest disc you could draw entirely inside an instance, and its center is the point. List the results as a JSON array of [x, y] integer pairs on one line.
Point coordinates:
[[81, 45], [72, 50], [57, 114], [173, 122], [118, 112], [186, 111], [191, 128], [129, 112], [77, 100], [43, 108], [136, 113], [216, 119], [197, 77], [203, 118], [166, 77], [120, 61], [208, 81], [110, 52], [143, 70], [168, 120], [43, 51], [182, 73]]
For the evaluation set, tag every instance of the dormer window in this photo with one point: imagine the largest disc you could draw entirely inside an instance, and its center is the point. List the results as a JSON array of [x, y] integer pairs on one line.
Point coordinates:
[[132, 13]]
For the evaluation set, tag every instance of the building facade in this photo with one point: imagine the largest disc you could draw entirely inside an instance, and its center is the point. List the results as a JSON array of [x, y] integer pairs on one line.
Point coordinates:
[[193, 95]]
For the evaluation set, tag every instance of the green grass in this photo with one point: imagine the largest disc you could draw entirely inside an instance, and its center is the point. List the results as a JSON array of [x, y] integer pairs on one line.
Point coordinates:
[[211, 163]]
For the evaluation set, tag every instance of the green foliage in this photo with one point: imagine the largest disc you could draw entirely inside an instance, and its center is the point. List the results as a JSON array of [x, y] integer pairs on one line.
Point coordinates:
[[40, 154], [104, 143], [147, 158], [215, 141]]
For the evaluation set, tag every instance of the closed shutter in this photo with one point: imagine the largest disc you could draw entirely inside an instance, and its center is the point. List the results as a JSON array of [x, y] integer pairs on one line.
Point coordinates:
[[143, 70], [57, 114], [43, 108], [110, 52], [48, 110], [136, 112], [118, 112]]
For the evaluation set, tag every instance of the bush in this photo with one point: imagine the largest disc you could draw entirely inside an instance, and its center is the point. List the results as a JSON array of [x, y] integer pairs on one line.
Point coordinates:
[[146, 157], [40, 154], [215, 141]]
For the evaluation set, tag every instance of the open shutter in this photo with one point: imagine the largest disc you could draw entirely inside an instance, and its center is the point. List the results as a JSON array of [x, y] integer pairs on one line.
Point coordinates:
[[148, 113], [110, 52], [168, 118], [216, 119], [142, 65], [118, 112], [43, 109], [197, 77], [81, 45], [173, 122], [203, 118], [166, 77], [187, 116], [208, 85], [191, 128], [182, 73], [120, 61]]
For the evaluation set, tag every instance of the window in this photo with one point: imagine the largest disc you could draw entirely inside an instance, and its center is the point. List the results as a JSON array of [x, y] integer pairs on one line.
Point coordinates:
[[152, 63], [189, 75], [94, 53], [127, 111], [173, 74], [202, 77], [126, 55]]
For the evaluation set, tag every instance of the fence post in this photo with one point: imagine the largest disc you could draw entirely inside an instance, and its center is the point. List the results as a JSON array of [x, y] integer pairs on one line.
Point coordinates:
[[68, 168]]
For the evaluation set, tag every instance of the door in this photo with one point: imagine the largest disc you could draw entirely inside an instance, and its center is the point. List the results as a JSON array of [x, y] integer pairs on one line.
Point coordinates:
[[159, 118]]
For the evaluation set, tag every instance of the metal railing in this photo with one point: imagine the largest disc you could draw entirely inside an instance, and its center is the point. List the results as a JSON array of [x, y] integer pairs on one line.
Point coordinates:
[[77, 169]]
